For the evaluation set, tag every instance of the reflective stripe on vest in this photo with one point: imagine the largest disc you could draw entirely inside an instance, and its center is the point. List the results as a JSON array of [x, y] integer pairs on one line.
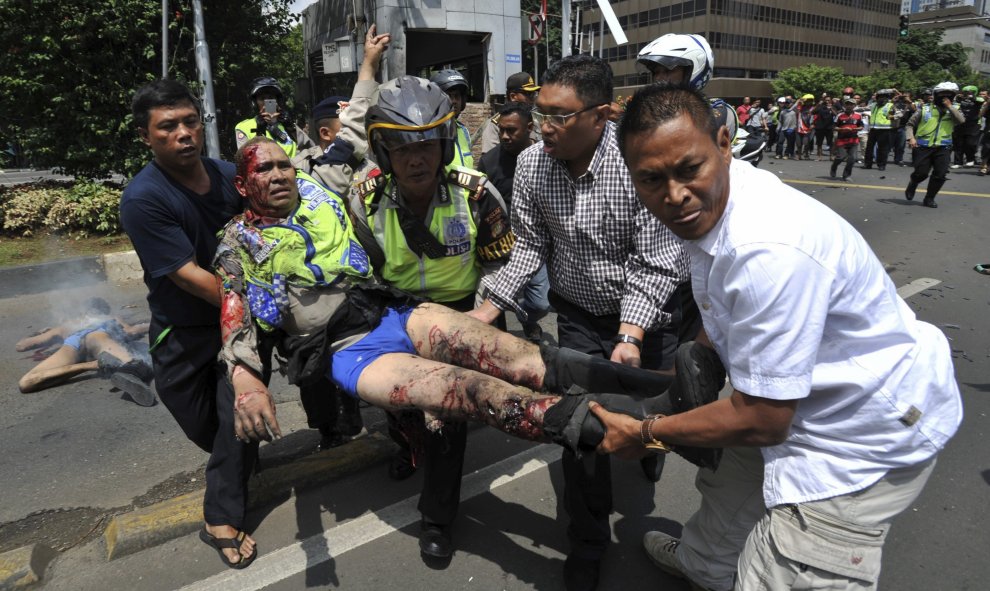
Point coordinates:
[[878, 117], [934, 131], [450, 278], [249, 128], [462, 149]]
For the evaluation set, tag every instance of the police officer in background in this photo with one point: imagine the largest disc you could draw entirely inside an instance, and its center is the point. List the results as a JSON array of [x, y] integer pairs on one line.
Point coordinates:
[[883, 118], [519, 88], [515, 127], [929, 134], [432, 228], [272, 119], [455, 85]]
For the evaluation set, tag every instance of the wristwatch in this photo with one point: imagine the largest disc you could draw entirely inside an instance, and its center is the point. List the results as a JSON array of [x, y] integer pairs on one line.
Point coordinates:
[[625, 338]]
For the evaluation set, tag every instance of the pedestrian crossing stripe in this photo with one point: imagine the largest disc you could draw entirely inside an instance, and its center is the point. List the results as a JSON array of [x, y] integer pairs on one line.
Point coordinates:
[[840, 184]]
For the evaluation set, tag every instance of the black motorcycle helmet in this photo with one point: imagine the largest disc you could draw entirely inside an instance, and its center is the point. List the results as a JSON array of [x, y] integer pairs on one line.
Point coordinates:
[[449, 79], [410, 110], [258, 84]]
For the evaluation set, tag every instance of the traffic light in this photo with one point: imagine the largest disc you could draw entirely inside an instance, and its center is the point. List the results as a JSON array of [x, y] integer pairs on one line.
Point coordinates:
[[903, 30]]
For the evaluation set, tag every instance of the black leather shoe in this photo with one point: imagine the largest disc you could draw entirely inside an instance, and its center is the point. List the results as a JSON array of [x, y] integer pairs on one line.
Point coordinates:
[[435, 541], [929, 203], [909, 191], [581, 574]]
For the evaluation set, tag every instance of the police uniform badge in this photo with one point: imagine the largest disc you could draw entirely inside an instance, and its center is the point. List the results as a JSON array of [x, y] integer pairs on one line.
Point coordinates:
[[455, 236]]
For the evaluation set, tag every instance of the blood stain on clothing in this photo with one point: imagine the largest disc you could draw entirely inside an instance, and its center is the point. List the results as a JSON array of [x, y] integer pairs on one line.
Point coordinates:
[[231, 315]]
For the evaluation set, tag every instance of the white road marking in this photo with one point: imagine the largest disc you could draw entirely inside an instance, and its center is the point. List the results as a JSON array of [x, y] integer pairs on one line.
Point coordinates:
[[285, 562], [917, 286]]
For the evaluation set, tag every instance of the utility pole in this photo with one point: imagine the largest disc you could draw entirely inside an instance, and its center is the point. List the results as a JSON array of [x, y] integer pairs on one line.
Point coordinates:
[[565, 28], [206, 79], [164, 39]]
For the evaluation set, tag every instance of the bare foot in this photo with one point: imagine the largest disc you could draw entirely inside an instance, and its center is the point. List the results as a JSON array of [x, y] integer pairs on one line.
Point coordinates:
[[226, 531]]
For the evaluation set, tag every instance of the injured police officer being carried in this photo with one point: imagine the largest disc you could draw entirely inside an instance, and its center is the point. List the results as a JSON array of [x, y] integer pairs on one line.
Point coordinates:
[[295, 277]]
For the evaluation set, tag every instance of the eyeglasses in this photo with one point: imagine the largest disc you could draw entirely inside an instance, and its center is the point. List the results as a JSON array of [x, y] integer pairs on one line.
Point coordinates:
[[558, 121]]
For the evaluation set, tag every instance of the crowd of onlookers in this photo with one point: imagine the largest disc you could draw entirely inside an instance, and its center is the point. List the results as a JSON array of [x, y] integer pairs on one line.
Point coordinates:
[[803, 128]]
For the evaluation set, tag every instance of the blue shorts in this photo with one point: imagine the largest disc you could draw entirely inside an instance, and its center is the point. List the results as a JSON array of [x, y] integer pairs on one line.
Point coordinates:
[[75, 340], [388, 337]]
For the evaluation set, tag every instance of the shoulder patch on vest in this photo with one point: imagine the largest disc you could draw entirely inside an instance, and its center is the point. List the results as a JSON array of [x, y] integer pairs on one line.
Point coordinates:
[[469, 179], [368, 186]]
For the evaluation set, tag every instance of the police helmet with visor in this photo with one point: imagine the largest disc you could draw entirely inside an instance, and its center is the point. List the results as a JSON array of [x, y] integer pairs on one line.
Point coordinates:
[[410, 110], [448, 80], [949, 89], [680, 50]]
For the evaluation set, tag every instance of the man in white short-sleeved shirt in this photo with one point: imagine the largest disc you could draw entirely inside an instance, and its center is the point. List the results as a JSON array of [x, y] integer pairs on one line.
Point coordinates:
[[847, 395]]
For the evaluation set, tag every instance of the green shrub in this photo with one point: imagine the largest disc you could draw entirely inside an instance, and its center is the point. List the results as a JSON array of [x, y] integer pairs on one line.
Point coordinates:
[[86, 209], [81, 208], [25, 210]]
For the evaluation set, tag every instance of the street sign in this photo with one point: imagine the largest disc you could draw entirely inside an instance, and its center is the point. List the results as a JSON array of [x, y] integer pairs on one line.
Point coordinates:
[[338, 56], [537, 27]]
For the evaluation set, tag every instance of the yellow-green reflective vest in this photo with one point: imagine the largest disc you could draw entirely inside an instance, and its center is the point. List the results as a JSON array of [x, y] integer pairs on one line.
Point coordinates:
[[462, 149], [449, 278], [934, 128], [247, 129], [313, 246], [878, 117]]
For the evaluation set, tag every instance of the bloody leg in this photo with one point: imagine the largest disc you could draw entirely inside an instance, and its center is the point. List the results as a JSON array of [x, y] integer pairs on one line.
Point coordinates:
[[398, 381]]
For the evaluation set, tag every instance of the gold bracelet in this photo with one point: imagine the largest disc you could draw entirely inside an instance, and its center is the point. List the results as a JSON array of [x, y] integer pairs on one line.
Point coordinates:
[[646, 434]]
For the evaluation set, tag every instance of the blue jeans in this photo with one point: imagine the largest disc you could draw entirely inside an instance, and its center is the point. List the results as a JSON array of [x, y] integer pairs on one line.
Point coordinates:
[[534, 297]]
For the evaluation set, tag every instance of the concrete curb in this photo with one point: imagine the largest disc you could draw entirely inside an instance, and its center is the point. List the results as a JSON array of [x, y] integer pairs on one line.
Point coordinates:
[[121, 267], [151, 526], [24, 566], [117, 267]]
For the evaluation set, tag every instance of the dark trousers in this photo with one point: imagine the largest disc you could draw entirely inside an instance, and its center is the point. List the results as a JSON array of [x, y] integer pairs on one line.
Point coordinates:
[[823, 137], [588, 481], [192, 385], [879, 139], [322, 402], [900, 140], [443, 458], [964, 143], [846, 153], [934, 160], [786, 136]]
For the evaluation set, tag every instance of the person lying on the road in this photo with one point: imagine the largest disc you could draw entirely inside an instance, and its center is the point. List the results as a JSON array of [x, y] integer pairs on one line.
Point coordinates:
[[294, 276], [94, 341]]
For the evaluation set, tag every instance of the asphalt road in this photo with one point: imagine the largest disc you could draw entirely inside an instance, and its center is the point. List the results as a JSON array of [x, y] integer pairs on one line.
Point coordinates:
[[81, 446]]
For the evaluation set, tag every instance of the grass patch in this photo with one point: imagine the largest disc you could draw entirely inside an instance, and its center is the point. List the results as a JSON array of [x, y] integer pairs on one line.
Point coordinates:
[[36, 249]]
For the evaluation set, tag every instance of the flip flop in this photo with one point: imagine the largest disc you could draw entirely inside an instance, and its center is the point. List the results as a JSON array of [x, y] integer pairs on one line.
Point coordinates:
[[984, 268], [219, 544], [139, 391]]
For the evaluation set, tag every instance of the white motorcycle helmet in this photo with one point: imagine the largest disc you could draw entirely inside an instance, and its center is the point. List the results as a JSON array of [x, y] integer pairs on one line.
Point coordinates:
[[675, 50], [947, 88]]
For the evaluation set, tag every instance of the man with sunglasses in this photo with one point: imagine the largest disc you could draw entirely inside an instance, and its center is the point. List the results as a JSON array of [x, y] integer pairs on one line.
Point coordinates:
[[613, 269]]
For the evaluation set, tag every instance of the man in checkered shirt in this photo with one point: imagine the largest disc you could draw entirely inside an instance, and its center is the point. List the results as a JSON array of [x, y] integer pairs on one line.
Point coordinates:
[[618, 277]]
